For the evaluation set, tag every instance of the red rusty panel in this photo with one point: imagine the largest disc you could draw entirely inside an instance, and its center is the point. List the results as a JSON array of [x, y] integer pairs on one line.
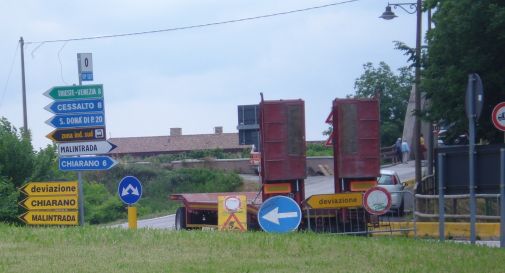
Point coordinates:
[[356, 138], [282, 136]]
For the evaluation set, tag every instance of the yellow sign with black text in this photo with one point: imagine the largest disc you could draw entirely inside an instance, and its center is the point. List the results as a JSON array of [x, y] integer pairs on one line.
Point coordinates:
[[50, 188], [50, 217], [50, 202], [335, 201], [232, 212]]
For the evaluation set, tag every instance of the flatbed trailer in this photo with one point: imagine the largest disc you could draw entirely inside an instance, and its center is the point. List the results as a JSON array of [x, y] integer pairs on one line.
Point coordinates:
[[283, 171], [199, 210]]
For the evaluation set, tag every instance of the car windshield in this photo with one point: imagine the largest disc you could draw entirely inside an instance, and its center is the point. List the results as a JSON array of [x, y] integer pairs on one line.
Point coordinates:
[[385, 179]]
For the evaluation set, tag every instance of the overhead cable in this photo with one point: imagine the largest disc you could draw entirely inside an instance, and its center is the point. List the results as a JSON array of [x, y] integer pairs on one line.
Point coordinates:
[[192, 26]]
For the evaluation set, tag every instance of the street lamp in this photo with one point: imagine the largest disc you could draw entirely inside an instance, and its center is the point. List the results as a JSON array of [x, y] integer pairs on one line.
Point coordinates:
[[388, 15]]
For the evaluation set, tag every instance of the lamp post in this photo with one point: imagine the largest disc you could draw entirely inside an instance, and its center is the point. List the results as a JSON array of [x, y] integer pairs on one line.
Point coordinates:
[[388, 15]]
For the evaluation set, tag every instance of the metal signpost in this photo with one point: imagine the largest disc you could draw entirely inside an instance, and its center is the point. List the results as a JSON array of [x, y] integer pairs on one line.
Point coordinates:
[[473, 106], [130, 191], [80, 126], [279, 214]]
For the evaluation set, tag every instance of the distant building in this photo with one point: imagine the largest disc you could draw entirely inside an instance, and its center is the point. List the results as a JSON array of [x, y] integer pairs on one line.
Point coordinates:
[[176, 143], [248, 125]]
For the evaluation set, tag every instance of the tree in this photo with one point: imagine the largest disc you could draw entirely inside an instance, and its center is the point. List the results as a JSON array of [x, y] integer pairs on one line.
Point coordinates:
[[469, 37], [16, 154], [393, 90]]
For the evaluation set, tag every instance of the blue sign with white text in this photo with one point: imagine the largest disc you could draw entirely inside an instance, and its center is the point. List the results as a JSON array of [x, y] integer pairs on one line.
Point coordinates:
[[76, 106], [91, 163], [129, 190], [77, 120], [279, 214], [86, 76]]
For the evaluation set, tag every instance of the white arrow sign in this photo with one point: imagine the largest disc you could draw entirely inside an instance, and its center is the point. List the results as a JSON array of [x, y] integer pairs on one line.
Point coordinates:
[[129, 188], [274, 215], [85, 148]]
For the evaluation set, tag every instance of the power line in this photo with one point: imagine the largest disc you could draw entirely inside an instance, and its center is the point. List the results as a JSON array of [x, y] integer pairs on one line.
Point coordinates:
[[193, 26]]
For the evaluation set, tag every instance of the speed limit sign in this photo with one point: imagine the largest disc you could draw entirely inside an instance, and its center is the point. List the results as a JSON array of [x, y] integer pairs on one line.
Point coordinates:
[[498, 116]]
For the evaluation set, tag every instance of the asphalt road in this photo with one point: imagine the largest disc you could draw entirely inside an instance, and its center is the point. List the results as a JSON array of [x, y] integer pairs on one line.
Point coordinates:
[[313, 185]]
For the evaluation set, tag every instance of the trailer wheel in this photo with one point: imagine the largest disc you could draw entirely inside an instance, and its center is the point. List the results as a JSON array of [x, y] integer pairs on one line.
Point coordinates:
[[180, 218]]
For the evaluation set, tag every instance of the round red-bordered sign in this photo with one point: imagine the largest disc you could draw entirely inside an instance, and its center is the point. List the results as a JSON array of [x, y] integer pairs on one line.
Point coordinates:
[[498, 116], [232, 203], [377, 201]]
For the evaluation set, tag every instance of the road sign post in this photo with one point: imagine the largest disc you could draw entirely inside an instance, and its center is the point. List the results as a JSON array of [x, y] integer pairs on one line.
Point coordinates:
[[279, 214], [130, 190], [473, 106]]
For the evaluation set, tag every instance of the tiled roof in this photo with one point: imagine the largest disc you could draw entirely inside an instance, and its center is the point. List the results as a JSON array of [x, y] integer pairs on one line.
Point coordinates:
[[174, 144]]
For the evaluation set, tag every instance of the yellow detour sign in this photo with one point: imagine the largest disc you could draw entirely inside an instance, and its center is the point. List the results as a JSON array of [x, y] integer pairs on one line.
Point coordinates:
[[232, 212], [335, 201], [50, 188], [50, 202], [50, 217]]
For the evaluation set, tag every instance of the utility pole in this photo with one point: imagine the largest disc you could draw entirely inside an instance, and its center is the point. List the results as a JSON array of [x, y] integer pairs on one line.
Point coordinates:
[[23, 86]]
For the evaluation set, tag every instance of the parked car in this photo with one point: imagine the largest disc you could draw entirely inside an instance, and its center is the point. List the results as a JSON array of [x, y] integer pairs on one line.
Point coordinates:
[[390, 181]]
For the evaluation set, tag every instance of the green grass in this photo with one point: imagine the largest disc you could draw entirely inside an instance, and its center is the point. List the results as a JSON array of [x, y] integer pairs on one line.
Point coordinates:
[[92, 249]]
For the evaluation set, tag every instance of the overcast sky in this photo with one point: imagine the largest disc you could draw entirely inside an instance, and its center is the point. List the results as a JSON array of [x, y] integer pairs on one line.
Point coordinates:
[[193, 79]]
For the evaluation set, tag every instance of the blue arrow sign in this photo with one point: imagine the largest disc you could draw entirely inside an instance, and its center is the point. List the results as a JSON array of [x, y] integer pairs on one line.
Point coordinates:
[[129, 190], [75, 106], [77, 120], [279, 214], [92, 163]]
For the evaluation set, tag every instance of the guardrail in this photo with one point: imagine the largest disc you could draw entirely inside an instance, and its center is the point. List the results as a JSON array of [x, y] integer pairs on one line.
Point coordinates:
[[388, 155], [356, 221]]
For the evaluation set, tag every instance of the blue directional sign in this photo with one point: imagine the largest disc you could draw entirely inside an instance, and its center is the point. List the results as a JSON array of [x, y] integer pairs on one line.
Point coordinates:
[[77, 120], [129, 190], [86, 76], [75, 106], [92, 163], [279, 214]]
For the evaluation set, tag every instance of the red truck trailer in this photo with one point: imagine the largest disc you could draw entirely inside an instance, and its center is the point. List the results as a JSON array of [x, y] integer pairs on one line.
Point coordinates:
[[283, 161]]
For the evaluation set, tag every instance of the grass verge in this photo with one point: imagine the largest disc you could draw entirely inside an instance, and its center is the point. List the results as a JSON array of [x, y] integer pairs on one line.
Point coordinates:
[[92, 249]]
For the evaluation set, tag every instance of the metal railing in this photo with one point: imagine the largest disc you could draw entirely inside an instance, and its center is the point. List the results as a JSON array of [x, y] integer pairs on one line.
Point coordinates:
[[357, 221]]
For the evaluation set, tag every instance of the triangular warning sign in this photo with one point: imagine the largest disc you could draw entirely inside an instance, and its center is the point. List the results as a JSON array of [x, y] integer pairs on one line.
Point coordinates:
[[233, 223]]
